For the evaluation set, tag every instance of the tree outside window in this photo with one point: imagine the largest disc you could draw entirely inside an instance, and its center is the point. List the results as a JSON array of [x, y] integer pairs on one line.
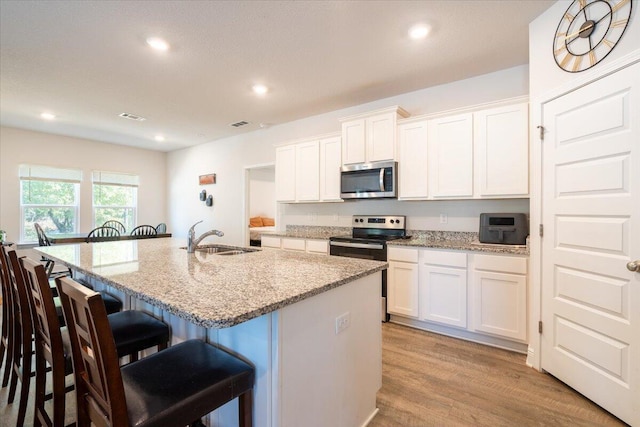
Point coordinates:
[[51, 204], [115, 202]]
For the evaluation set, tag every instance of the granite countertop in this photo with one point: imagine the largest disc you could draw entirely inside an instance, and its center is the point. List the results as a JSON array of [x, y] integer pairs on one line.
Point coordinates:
[[312, 232], [464, 241], [210, 290]]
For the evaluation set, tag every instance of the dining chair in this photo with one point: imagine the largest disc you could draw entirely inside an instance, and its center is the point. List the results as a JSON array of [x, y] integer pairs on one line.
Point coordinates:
[[161, 228], [103, 233], [115, 224], [173, 387], [144, 230], [43, 240]]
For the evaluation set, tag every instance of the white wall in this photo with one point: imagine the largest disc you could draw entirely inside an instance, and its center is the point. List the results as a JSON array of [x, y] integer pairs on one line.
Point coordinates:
[[262, 192], [228, 157], [544, 72], [19, 146]]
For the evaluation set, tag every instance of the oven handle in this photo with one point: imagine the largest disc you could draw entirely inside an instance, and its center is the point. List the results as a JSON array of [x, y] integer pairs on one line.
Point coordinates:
[[382, 179], [356, 245]]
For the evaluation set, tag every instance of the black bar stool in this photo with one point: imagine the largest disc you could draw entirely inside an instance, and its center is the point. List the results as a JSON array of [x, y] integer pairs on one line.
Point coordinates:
[[173, 387]]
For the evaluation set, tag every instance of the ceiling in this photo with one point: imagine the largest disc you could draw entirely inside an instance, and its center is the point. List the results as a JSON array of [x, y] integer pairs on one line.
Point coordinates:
[[87, 61]]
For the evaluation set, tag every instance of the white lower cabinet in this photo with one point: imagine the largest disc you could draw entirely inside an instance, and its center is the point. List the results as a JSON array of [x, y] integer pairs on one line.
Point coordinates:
[[316, 246], [499, 286], [402, 282], [443, 287], [484, 296]]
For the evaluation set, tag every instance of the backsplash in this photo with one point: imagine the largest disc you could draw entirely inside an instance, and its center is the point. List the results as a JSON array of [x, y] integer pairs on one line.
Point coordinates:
[[437, 235]]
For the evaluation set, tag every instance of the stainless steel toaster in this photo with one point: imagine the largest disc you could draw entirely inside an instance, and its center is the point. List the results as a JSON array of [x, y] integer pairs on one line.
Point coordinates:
[[504, 228]]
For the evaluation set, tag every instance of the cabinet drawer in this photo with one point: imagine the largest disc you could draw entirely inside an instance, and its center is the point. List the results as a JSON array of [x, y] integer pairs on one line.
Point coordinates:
[[318, 246], [402, 254], [270, 242], [501, 263], [293, 244], [450, 259]]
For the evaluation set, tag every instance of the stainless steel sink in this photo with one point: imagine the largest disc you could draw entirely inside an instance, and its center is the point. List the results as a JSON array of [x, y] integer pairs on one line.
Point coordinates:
[[234, 252]]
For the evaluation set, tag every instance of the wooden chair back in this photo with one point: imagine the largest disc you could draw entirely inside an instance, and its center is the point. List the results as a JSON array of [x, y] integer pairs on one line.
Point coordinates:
[[23, 334], [115, 224], [8, 317], [99, 388], [161, 228], [48, 342], [144, 230], [102, 233], [43, 240]]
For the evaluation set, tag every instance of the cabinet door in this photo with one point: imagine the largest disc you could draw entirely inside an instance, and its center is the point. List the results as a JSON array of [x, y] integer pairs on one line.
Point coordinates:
[[353, 136], [330, 162], [380, 137], [293, 244], [286, 173], [270, 242], [501, 138], [451, 156], [500, 304], [443, 295], [402, 289], [307, 166], [412, 161], [318, 246]]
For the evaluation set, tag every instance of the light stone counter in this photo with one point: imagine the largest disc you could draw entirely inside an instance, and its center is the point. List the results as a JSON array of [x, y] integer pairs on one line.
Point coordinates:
[[210, 290], [456, 240]]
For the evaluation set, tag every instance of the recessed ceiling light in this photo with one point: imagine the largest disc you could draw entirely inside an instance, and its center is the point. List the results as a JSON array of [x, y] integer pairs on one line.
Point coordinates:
[[418, 32], [159, 138], [158, 44], [260, 89], [48, 116]]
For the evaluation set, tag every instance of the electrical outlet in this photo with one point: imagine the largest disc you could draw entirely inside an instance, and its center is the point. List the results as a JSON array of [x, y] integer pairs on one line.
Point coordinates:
[[444, 218], [343, 322]]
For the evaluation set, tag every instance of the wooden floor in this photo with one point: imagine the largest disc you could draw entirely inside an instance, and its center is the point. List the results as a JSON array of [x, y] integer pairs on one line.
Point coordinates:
[[433, 380]]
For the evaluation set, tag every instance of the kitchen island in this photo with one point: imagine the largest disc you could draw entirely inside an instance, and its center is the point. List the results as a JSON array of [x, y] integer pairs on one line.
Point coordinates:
[[308, 323]]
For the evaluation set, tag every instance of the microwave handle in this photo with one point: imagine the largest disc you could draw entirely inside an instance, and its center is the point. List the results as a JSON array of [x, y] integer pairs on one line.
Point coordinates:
[[381, 179]]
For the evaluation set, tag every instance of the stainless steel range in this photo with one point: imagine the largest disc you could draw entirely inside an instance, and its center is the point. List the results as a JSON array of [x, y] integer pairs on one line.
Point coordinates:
[[368, 240]]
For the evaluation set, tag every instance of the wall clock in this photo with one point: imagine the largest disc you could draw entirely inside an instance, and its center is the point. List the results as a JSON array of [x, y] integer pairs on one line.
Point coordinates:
[[588, 31]]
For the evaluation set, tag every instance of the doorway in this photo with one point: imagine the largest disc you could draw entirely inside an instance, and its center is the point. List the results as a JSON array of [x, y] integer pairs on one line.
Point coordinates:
[[260, 210]]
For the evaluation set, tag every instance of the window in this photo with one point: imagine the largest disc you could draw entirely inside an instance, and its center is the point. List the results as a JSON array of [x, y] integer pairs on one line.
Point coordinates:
[[49, 197], [115, 196]]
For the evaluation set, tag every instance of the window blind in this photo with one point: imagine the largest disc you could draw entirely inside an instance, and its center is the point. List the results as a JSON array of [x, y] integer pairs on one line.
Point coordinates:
[[49, 173], [115, 178]]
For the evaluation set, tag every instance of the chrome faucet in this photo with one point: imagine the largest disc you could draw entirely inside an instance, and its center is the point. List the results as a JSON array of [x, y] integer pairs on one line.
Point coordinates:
[[192, 241]]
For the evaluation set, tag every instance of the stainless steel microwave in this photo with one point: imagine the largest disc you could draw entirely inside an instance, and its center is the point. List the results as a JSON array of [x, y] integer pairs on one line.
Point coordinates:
[[369, 180]]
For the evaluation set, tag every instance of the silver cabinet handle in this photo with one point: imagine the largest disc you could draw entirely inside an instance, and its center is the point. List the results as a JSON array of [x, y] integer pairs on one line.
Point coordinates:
[[634, 266]]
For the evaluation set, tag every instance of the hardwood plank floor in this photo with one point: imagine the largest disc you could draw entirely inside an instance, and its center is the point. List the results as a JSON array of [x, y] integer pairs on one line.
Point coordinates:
[[433, 380]]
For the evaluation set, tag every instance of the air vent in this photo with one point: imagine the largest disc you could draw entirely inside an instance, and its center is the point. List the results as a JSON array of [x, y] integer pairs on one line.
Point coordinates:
[[132, 117], [239, 124]]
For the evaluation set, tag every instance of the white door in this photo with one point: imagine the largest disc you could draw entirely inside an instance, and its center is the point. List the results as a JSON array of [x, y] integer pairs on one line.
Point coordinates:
[[286, 173], [330, 162], [591, 217], [402, 289], [381, 137]]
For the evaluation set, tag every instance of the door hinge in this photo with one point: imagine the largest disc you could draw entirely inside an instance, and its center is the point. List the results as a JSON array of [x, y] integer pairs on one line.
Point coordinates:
[[541, 132], [541, 230], [540, 326]]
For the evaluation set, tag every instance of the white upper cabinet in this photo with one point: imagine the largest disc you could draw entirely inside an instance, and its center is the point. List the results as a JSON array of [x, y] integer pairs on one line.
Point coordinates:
[[412, 160], [370, 137], [307, 166], [286, 173], [330, 162], [501, 140], [451, 156], [353, 141], [309, 171]]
